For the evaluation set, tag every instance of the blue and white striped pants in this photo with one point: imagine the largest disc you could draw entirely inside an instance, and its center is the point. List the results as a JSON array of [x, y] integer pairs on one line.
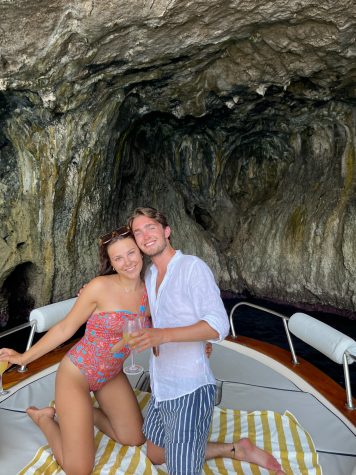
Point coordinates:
[[181, 426]]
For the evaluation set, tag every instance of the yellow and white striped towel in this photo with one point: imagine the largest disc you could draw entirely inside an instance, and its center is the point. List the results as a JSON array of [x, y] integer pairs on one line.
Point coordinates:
[[278, 434]]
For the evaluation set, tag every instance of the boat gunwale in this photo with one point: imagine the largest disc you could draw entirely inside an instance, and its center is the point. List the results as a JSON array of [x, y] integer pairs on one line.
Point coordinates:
[[304, 375], [12, 376]]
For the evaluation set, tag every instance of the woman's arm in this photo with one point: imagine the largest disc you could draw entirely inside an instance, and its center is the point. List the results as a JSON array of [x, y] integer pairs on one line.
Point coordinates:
[[61, 332]]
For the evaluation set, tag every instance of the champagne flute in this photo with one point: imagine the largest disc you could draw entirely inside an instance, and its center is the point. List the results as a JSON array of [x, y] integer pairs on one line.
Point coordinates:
[[3, 366], [132, 326]]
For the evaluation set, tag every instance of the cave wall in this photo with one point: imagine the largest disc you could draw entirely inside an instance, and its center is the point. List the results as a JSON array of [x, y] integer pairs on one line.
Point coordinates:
[[58, 189], [269, 204], [235, 118]]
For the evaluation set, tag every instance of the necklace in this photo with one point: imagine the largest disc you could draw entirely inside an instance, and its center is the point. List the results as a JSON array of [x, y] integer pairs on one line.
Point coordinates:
[[126, 290]]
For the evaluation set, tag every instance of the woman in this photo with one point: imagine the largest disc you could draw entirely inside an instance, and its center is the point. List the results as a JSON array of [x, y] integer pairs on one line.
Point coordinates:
[[90, 365]]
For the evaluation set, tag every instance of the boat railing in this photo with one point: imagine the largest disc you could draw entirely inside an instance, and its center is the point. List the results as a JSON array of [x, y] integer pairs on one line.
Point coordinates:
[[335, 345], [271, 312], [40, 320], [32, 325], [346, 361]]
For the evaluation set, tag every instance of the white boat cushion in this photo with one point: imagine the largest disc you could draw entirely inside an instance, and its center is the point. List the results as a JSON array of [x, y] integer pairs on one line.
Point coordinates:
[[47, 316], [321, 336]]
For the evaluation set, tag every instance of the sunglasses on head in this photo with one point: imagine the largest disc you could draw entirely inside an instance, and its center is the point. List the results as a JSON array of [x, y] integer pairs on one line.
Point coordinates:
[[120, 232]]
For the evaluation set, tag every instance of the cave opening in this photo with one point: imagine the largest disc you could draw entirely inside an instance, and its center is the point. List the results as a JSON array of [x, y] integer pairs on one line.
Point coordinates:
[[16, 301]]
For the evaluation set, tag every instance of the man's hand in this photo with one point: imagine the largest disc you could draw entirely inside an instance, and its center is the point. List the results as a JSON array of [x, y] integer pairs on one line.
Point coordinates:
[[81, 290], [148, 338], [142, 340]]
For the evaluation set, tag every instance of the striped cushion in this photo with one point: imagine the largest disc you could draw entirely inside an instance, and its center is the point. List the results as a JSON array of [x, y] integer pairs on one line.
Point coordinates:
[[278, 434]]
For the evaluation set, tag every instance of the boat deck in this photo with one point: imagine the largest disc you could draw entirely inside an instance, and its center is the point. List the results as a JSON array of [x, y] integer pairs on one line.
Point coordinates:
[[307, 372], [251, 376]]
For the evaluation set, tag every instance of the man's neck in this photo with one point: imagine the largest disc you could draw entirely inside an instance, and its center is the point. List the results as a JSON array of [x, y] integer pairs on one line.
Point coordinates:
[[162, 260]]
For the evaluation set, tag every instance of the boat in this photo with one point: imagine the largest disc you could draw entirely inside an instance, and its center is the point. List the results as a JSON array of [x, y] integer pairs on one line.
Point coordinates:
[[254, 378]]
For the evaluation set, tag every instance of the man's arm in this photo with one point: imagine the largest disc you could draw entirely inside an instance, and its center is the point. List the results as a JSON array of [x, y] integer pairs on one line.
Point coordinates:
[[151, 337], [204, 296]]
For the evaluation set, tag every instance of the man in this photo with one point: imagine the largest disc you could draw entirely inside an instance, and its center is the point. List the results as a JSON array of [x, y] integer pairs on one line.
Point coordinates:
[[186, 310]]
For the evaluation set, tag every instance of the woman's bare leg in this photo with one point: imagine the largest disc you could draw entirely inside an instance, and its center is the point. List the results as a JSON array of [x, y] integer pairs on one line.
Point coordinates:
[[71, 438], [44, 418], [119, 415]]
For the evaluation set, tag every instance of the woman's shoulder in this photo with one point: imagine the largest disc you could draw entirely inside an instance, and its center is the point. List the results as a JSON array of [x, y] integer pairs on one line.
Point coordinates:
[[103, 279], [99, 283]]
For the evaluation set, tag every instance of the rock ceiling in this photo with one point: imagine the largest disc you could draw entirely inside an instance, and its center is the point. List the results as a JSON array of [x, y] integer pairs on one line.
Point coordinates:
[[237, 118]]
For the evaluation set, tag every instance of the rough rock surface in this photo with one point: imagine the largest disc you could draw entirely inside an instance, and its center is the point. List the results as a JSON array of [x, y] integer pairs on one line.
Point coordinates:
[[237, 118]]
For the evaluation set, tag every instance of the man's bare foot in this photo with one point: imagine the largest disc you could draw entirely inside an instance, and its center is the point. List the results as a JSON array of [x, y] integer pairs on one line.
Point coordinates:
[[246, 451], [36, 414]]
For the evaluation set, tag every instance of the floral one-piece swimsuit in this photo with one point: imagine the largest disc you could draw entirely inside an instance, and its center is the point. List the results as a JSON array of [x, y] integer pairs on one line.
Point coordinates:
[[92, 353]]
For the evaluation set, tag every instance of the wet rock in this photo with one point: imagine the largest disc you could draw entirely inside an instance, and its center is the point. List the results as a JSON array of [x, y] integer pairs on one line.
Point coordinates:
[[236, 118]]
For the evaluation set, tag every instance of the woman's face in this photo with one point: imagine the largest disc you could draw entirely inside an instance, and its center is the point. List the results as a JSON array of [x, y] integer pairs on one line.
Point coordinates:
[[126, 258]]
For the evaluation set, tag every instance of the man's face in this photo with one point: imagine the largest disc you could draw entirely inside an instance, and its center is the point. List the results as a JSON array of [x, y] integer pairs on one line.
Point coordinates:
[[150, 235]]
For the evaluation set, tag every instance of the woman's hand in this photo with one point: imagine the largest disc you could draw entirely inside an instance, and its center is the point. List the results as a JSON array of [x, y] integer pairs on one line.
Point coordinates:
[[118, 346], [12, 356]]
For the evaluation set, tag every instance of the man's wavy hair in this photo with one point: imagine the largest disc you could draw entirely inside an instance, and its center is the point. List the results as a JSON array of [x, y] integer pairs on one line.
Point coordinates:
[[149, 213]]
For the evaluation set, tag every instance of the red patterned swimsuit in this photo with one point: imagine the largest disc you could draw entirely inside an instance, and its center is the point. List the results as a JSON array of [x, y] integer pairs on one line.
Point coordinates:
[[92, 353]]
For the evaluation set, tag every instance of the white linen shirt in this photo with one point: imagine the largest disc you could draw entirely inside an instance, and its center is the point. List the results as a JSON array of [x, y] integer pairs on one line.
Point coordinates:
[[187, 294]]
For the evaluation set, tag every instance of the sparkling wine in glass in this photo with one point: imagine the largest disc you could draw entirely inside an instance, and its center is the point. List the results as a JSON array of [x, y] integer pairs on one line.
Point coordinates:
[[3, 366], [132, 326]]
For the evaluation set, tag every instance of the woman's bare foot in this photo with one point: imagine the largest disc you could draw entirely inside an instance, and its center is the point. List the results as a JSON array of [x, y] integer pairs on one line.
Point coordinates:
[[36, 414], [246, 451]]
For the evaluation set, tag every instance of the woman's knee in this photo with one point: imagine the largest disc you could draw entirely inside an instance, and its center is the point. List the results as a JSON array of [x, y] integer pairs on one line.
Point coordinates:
[[131, 439], [78, 467]]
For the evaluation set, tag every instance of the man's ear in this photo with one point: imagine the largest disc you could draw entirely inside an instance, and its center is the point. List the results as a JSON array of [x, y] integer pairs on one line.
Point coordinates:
[[167, 232]]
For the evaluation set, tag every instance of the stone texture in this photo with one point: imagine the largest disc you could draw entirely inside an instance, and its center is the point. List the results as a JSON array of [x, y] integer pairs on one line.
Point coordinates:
[[237, 118]]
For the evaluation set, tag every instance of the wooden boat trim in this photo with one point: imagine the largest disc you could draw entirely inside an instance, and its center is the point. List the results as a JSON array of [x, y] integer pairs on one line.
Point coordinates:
[[12, 376], [304, 375]]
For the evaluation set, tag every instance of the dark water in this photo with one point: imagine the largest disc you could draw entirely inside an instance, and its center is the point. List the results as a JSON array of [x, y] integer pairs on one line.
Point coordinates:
[[18, 340], [261, 326]]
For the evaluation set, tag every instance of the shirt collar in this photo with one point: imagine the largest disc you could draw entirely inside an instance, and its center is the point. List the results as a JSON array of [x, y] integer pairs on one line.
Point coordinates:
[[178, 254]]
